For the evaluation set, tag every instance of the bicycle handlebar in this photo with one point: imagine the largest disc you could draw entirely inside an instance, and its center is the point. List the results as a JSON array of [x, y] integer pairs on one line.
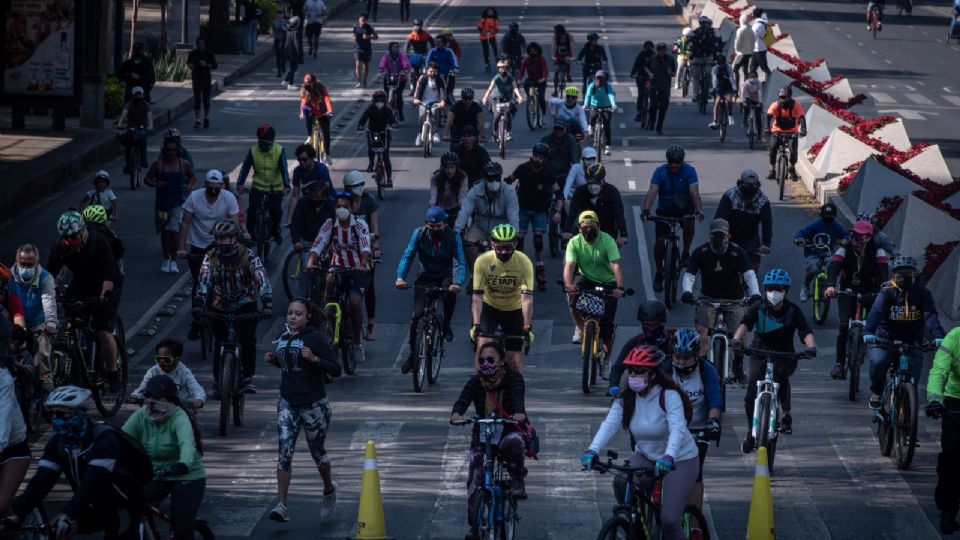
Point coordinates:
[[852, 293], [230, 317], [721, 304], [899, 345], [671, 220], [774, 355]]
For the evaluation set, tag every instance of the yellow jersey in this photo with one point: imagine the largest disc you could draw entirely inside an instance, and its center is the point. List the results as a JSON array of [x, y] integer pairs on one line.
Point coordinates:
[[502, 284]]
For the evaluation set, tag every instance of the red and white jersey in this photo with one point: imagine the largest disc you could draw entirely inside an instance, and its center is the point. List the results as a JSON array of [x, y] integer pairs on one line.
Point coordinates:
[[346, 243]]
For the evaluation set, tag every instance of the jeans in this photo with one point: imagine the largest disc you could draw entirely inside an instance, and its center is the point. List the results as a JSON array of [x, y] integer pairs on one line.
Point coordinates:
[[404, 10], [882, 359], [201, 96], [308, 279], [274, 200], [676, 489], [291, 71], [250, 36]]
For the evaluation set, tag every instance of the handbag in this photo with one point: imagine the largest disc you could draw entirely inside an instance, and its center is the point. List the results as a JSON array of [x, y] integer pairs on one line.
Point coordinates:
[[530, 438]]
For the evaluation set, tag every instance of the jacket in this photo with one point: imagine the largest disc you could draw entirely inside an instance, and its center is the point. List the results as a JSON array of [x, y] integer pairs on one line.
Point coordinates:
[[705, 43], [471, 161], [394, 66], [835, 231], [870, 270], [316, 107], [510, 395], [168, 442], [513, 44], [485, 212], [188, 388], [760, 29], [744, 40], [302, 381], [227, 287], [307, 219], [143, 67], [377, 120], [902, 315], [39, 298], [488, 27], [750, 221], [445, 58], [605, 97], [437, 260], [608, 206], [563, 154], [944, 378]]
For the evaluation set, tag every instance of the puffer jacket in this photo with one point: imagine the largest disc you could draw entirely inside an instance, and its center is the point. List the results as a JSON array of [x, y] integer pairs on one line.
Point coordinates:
[[487, 212]]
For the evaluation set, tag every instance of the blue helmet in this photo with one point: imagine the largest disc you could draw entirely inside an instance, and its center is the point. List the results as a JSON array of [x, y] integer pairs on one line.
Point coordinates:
[[686, 342], [777, 276], [435, 214]]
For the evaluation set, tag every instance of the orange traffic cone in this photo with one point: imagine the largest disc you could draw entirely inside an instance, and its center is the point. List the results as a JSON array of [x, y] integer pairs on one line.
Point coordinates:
[[370, 523], [760, 522]]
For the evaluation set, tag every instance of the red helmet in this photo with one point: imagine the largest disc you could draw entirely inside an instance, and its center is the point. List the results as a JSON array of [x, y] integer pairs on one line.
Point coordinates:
[[645, 356]]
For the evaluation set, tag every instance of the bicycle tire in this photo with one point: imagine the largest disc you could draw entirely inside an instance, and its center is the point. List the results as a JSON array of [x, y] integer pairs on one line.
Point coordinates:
[[291, 273], [37, 518], [669, 275], [346, 346], [692, 515], [616, 527], [263, 240], [686, 81], [821, 304], [380, 177], [553, 239], [884, 425], [227, 381], [598, 136], [905, 425], [722, 115], [482, 526], [720, 364], [782, 173], [532, 107], [751, 127], [511, 520], [238, 405], [202, 528], [502, 139], [100, 393], [426, 138], [763, 417], [771, 454], [420, 355], [854, 352], [586, 353], [134, 169], [436, 356], [206, 340], [704, 96]]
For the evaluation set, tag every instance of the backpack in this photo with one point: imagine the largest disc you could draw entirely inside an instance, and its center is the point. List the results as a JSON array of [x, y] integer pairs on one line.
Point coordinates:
[[785, 122], [140, 468], [663, 404], [768, 37]]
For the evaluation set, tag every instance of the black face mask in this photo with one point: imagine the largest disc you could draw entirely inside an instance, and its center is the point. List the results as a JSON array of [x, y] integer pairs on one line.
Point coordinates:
[[719, 244], [590, 234], [827, 220], [685, 370], [227, 251], [749, 191], [504, 256], [436, 233], [265, 146]]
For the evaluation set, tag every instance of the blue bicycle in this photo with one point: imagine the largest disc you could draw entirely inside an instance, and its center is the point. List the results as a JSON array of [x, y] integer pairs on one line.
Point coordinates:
[[896, 418]]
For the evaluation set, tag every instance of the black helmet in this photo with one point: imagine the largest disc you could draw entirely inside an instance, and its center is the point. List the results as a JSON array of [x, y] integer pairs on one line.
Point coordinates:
[[828, 209], [466, 93], [449, 158], [592, 35], [514, 26], [675, 154], [652, 310], [266, 131], [786, 91], [542, 149], [648, 44], [161, 386], [492, 169], [418, 22]]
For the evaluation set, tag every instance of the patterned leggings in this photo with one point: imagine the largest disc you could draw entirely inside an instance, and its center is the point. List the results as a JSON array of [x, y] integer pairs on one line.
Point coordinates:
[[314, 419]]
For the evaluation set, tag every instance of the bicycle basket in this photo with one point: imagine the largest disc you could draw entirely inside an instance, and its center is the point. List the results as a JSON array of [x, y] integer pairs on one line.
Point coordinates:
[[591, 305]]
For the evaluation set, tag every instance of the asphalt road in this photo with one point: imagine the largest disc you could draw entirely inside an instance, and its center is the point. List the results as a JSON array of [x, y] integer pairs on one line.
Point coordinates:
[[830, 480]]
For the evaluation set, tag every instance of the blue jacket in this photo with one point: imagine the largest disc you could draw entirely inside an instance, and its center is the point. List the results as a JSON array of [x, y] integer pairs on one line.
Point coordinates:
[[835, 231], [902, 315], [38, 297], [446, 61], [436, 261]]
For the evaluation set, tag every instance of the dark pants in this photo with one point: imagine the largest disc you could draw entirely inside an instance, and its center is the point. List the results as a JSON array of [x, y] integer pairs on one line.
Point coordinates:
[[386, 152], [420, 304], [324, 127], [607, 119], [201, 95], [404, 10], [659, 102], [759, 62], [113, 522], [135, 141], [488, 46], [194, 261], [246, 337], [947, 492], [642, 93], [782, 370], [292, 71], [370, 295], [185, 499], [775, 145], [881, 360], [741, 64], [372, 8], [845, 307], [274, 201], [279, 56]]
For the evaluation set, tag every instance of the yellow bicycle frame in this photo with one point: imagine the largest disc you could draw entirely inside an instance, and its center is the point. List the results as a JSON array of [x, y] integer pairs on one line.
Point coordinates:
[[337, 317]]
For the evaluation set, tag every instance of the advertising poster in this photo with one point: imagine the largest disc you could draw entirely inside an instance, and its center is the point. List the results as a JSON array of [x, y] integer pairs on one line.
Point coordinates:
[[39, 49]]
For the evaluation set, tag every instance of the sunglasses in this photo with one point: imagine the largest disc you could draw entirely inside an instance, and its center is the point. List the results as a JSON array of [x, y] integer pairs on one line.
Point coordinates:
[[488, 360], [303, 159], [61, 414], [165, 360], [639, 371]]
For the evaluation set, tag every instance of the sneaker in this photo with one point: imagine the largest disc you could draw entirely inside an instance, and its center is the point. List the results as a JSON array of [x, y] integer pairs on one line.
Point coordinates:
[[292, 87], [730, 121], [306, 141], [357, 353], [247, 387], [213, 394], [165, 266], [786, 425], [197, 123], [606, 150], [173, 268], [370, 167], [771, 175], [279, 513], [713, 125], [509, 137], [416, 142], [577, 335], [747, 445], [407, 366], [658, 282], [838, 373], [329, 502], [874, 402], [358, 85], [436, 138], [194, 333], [447, 333], [804, 294]]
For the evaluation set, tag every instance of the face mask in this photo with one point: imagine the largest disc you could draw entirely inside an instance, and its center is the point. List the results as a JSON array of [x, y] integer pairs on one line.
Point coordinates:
[[343, 214], [213, 192], [73, 242], [379, 104], [356, 190], [493, 185], [488, 370], [685, 370], [594, 189], [775, 297], [503, 73], [228, 250], [637, 383], [71, 430], [504, 256], [587, 162], [590, 234], [653, 334], [26, 274], [436, 233], [718, 244], [904, 282], [158, 410], [827, 220], [748, 191]]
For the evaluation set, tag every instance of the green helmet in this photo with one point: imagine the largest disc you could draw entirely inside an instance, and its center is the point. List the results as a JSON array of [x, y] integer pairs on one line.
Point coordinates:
[[70, 223], [95, 213], [504, 233]]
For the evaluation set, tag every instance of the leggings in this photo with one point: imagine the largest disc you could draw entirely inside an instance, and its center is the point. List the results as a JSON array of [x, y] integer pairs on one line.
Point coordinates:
[[201, 95], [947, 492], [677, 485], [185, 499], [314, 419], [488, 45], [324, 127]]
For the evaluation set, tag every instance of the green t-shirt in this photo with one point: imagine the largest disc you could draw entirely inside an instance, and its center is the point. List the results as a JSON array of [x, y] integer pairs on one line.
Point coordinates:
[[594, 259]]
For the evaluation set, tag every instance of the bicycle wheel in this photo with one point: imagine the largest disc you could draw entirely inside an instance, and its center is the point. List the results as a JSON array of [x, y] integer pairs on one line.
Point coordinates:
[[481, 514], [201, 530], [616, 527], [905, 424], [854, 354], [553, 239], [380, 177], [884, 427], [821, 303], [502, 139], [686, 81], [511, 520], [426, 138], [763, 416], [263, 237], [436, 356], [598, 138], [292, 274], [227, 380], [587, 347], [719, 350], [670, 275], [692, 520], [532, 107], [346, 347], [702, 102], [238, 402], [421, 355], [134, 169], [722, 117], [782, 173], [107, 402], [206, 339], [35, 522]]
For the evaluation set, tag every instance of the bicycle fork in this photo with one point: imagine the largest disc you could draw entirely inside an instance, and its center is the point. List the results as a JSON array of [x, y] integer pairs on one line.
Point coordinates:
[[772, 423], [725, 376]]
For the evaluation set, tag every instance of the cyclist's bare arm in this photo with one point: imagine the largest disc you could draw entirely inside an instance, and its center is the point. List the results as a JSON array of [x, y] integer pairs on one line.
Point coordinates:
[[526, 307], [652, 196]]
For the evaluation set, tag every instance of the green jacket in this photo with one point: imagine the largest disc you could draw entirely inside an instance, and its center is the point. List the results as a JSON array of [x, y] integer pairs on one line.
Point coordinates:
[[944, 379], [168, 442]]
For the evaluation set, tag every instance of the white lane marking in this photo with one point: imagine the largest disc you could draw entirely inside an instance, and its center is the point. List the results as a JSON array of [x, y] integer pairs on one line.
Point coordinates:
[[627, 162], [623, 126], [383, 434], [860, 44], [873, 51], [632, 184], [910, 88], [919, 99], [882, 97], [633, 90], [848, 36], [887, 61], [610, 70], [644, 253], [952, 99]]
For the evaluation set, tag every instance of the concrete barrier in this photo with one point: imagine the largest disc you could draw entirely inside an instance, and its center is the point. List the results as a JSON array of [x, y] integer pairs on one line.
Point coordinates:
[[774, 62], [894, 134], [820, 123], [929, 164], [840, 90], [872, 183], [840, 152], [945, 285], [916, 224], [820, 73], [787, 46], [714, 13]]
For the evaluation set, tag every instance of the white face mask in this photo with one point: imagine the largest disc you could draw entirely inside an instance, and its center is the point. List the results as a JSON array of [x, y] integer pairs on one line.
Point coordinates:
[[356, 190], [493, 185], [343, 214], [593, 188], [379, 104], [775, 297]]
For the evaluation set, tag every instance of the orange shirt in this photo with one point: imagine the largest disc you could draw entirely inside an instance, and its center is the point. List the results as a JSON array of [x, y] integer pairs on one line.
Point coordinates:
[[488, 27], [777, 113], [316, 107]]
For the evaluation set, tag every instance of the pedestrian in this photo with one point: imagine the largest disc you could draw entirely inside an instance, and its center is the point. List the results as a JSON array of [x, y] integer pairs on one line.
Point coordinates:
[[251, 24], [173, 179], [404, 10], [202, 63], [488, 26], [137, 71], [279, 41], [760, 28], [291, 53], [662, 67], [363, 33], [313, 13], [101, 194], [743, 45]]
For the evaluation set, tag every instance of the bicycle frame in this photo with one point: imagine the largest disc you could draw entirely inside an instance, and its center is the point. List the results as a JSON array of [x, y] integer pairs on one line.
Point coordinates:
[[493, 482], [766, 386]]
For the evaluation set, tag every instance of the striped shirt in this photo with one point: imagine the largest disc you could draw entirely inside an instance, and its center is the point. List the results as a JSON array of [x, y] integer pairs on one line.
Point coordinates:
[[228, 288], [347, 243]]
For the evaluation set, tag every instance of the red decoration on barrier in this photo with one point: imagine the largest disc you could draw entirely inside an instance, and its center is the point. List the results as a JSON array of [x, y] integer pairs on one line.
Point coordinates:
[[934, 256], [888, 207], [814, 150]]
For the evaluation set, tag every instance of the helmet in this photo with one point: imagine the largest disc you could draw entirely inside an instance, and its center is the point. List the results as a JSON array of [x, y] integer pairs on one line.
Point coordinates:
[[645, 356], [504, 233], [102, 175], [266, 131], [70, 223], [600, 74], [786, 91], [542, 149], [449, 158], [225, 227], [503, 63], [652, 310], [379, 95], [466, 93], [353, 178], [675, 154], [447, 31], [686, 342], [95, 213], [777, 276], [904, 262], [571, 91], [418, 22], [172, 133], [596, 172], [687, 31], [705, 21], [68, 397], [592, 35], [588, 153], [865, 216], [514, 25], [492, 169], [648, 44], [828, 209]]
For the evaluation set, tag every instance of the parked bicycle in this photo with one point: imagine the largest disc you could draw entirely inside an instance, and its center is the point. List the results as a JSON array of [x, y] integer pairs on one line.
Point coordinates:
[[896, 418], [429, 342], [821, 302], [672, 269], [856, 349], [592, 304], [783, 159], [718, 342], [232, 397]]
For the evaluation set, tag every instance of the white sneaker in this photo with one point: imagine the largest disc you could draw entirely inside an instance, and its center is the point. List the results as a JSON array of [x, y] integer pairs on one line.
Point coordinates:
[[306, 141], [165, 266], [292, 87], [604, 367], [358, 355], [416, 141], [436, 139], [279, 513], [804, 294], [328, 503], [577, 335], [509, 136], [606, 150], [730, 121], [173, 268]]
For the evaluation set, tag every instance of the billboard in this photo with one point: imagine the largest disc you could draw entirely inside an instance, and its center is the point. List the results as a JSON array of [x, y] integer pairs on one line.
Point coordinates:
[[40, 60]]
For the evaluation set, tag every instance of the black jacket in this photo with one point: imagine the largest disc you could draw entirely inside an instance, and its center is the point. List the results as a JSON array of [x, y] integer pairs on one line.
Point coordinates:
[[143, 68], [862, 274], [510, 394], [471, 161], [308, 218], [376, 119], [751, 221], [608, 206]]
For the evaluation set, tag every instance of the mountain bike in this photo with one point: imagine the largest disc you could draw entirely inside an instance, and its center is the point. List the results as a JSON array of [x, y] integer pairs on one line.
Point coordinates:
[[874, 20], [230, 379], [429, 341], [783, 158], [672, 269], [767, 412], [318, 142], [428, 127], [600, 141], [821, 302], [718, 342], [35, 526], [263, 228], [751, 122], [638, 515], [500, 110], [896, 418], [493, 511], [683, 74], [378, 144], [534, 108], [855, 346], [591, 303], [339, 321], [395, 97]]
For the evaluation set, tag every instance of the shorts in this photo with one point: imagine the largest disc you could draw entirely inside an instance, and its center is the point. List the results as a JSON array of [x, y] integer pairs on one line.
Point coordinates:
[[724, 90], [511, 322], [17, 452], [313, 29], [170, 220], [706, 316], [813, 263], [535, 218], [662, 228], [355, 282], [363, 55]]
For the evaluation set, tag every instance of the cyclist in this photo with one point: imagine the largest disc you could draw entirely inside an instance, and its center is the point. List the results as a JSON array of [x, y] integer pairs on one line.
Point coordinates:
[[270, 179], [662, 68], [101, 194], [760, 28], [943, 398], [861, 266], [448, 187], [473, 157], [498, 390], [173, 179], [503, 88], [465, 112], [571, 113], [107, 498], [363, 35], [536, 186], [593, 57], [442, 264], [315, 104], [305, 357], [232, 279], [902, 312], [376, 119], [317, 207], [513, 45], [593, 260], [503, 295], [600, 94], [577, 177], [14, 448], [676, 187], [89, 257], [785, 116], [681, 48], [349, 239], [11, 308], [827, 224], [36, 288], [562, 52], [488, 26], [447, 64], [563, 150], [604, 199], [168, 354], [747, 209], [365, 206], [773, 323], [138, 117], [881, 238], [486, 205], [430, 90], [654, 410], [452, 42], [396, 67], [419, 42], [879, 5], [743, 47], [725, 269], [723, 87], [166, 431], [96, 219], [751, 98], [308, 170], [705, 44], [173, 134], [954, 19], [652, 315], [534, 74], [641, 75]]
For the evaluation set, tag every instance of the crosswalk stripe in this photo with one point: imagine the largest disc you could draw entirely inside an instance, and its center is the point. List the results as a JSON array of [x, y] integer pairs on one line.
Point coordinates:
[[952, 99], [882, 97], [919, 99]]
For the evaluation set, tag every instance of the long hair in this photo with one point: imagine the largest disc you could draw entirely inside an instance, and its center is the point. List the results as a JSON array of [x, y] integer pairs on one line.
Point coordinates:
[[629, 397]]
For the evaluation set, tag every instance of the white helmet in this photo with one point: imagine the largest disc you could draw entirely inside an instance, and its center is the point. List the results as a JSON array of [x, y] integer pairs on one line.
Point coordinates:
[[68, 397], [687, 31], [353, 178], [588, 153]]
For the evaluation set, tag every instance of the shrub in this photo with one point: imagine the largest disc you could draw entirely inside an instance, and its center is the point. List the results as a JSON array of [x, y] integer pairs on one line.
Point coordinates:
[[171, 67], [269, 8], [112, 96]]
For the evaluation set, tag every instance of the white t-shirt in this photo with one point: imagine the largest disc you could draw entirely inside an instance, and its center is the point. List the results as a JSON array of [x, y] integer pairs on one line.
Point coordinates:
[[313, 11], [759, 31], [206, 215], [104, 199]]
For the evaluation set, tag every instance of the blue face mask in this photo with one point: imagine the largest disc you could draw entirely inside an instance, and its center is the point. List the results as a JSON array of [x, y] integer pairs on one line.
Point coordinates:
[[26, 274], [71, 430]]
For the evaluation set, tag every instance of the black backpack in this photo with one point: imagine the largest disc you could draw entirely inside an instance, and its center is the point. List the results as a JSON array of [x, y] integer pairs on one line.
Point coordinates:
[[139, 467]]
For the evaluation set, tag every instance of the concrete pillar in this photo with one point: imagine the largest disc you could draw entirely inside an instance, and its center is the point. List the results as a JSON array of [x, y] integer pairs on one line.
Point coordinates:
[[183, 22]]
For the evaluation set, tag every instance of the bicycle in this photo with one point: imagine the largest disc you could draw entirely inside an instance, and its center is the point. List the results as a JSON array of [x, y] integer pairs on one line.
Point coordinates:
[[821, 302], [35, 526], [562, 68], [673, 270], [554, 229], [873, 19], [318, 142], [600, 142], [339, 321], [718, 342], [783, 158], [378, 144], [429, 342], [500, 109], [638, 515], [767, 412], [427, 128], [75, 355], [855, 346], [132, 154], [395, 97], [493, 511], [683, 73], [723, 117], [751, 122], [153, 514], [896, 418], [592, 305], [230, 381], [263, 228], [904, 6], [534, 108]]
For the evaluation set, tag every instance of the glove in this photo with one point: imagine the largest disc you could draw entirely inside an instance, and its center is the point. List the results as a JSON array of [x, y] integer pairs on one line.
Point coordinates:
[[803, 133], [869, 339], [474, 330], [934, 409], [713, 429], [644, 215], [529, 332], [755, 299], [811, 352], [663, 465], [686, 297], [587, 459], [736, 345], [614, 390], [937, 342], [799, 241]]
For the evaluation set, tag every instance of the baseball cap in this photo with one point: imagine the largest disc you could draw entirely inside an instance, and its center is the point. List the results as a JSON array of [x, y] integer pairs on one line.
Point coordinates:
[[863, 227], [137, 90], [214, 175], [435, 214], [719, 225], [751, 176], [588, 215], [102, 174]]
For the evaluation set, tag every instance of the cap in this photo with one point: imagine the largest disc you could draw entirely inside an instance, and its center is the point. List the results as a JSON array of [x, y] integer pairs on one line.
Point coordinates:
[[863, 227], [137, 90], [559, 124], [102, 174], [719, 225], [214, 175], [588, 215], [435, 214], [751, 176]]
